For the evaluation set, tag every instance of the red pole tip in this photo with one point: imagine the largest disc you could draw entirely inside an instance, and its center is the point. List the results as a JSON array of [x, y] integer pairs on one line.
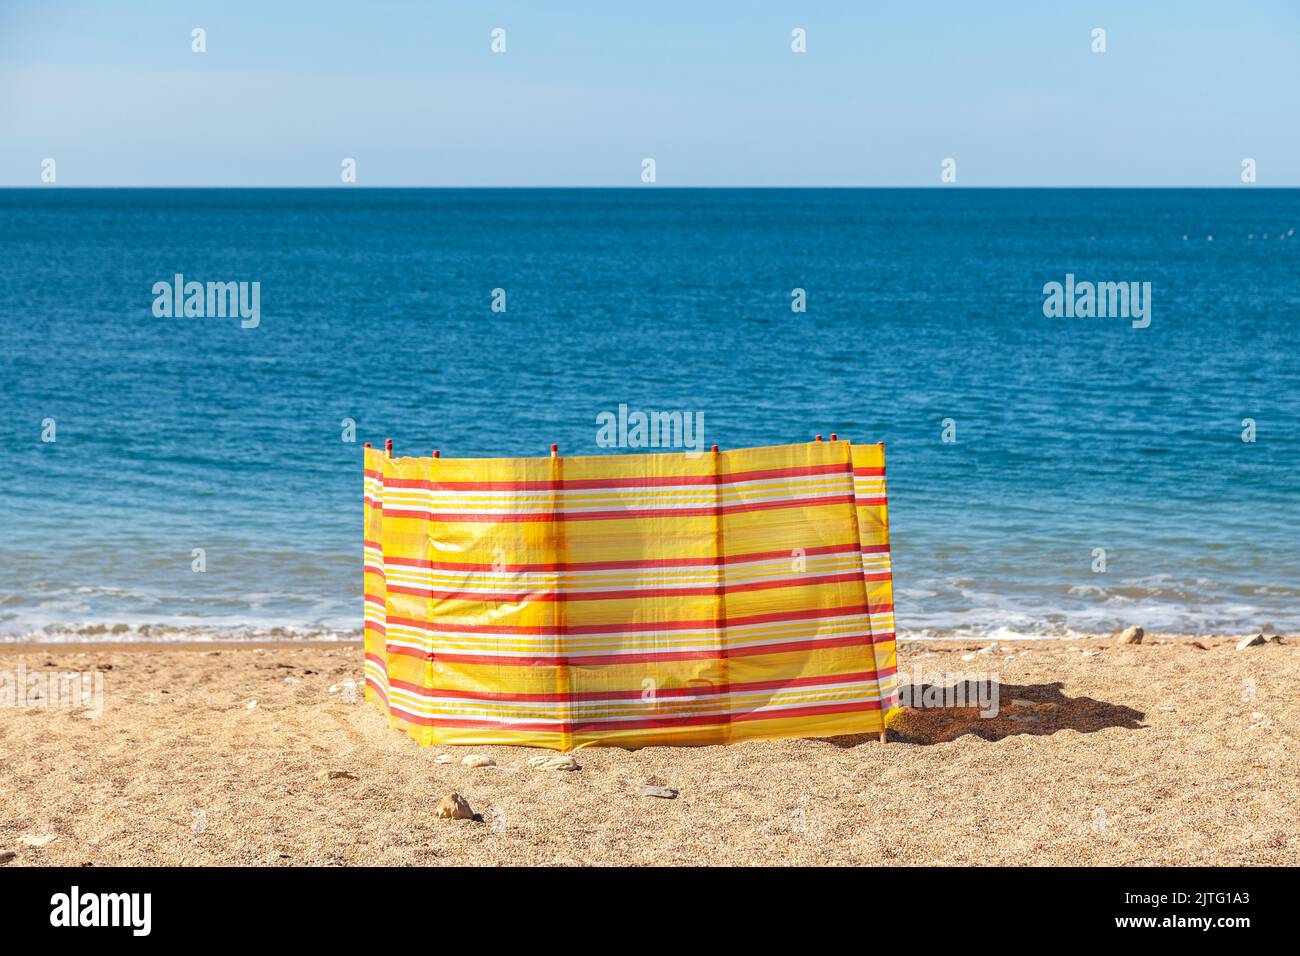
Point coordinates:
[[834, 437], [436, 453], [715, 448], [819, 438], [367, 444], [388, 447], [555, 451]]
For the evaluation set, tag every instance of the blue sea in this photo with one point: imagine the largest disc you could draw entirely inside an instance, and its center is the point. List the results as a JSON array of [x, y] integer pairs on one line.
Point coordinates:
[[924, 320]]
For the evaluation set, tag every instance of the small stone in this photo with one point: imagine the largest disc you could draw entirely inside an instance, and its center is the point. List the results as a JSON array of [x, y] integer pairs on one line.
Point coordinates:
[[988, 650], [1092, 653], [1255, 641], [453, 807], [444, 758], [553, 762], [1131, 635], [37, 840], [968, 657], [1256, 715], [6, 856], [664, 793], [251, 704], [334, 689], [292, 680], [1170, 710], [478, 760], [341, 775], [1021, 702]]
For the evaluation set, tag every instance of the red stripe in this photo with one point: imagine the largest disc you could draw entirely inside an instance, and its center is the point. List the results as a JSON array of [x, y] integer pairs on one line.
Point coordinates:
[[709, 654], [525, 597], [431, 627], [869, 472], [632, 564], [613, 515], [639, 627], [686, 720], [646, 481], [634, 694]]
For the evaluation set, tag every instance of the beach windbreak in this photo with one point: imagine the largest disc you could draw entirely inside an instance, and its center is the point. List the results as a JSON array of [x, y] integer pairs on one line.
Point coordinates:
[[630, 600]]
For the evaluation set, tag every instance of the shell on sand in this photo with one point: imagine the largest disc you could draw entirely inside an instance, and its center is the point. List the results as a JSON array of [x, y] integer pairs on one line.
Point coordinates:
[[453, 807]]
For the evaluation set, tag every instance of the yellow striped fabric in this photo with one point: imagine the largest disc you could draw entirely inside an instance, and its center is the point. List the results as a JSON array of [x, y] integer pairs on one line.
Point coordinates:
[[630, 600]]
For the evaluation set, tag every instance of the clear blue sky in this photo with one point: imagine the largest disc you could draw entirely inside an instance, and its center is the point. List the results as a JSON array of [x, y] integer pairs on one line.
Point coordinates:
[[709, 88]]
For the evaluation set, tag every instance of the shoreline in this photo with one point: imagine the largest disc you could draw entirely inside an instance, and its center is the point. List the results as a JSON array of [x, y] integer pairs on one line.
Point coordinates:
[[11, 643]]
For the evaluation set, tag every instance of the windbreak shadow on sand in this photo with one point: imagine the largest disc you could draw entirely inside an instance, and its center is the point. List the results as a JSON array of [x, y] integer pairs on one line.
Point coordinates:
[[1033, 709]]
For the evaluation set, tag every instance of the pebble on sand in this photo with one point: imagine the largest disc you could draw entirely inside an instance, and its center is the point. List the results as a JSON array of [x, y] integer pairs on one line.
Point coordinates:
[[1131, 635], [444, 758], [453, 807], [37, 840], [6, 856], [478, 760], [553, 762], [665, 793], [1251, 642], [340, 775], [250, 705]]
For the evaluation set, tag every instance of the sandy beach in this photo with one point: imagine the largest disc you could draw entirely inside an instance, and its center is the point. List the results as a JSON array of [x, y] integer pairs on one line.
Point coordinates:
[[1177, 751]]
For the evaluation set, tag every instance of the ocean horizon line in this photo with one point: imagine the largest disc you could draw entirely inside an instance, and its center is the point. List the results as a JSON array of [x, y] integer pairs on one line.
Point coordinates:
[[354, 187]]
